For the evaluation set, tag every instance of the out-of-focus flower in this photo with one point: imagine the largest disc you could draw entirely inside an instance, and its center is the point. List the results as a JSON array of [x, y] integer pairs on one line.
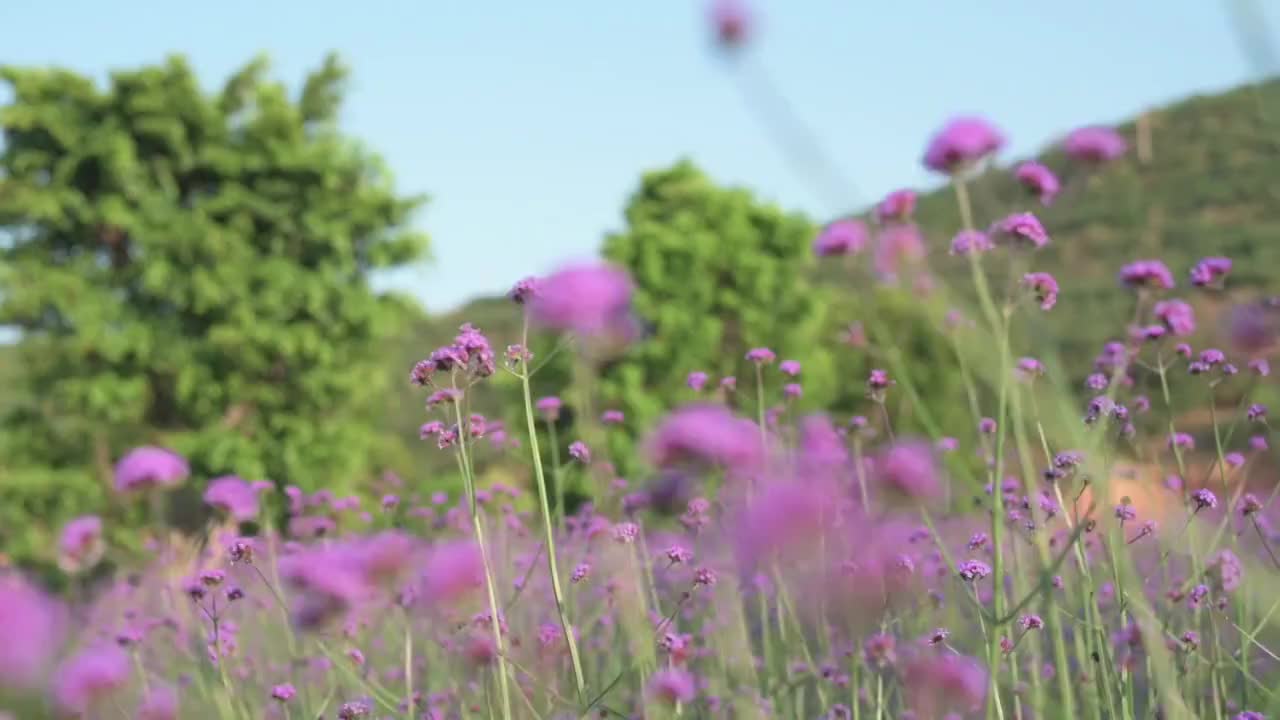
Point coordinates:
[[1020, 229], [897, 246], [960, 143], [968, 242], [1177, 316], [233, 496], [81, 545], [1044, 287], [1039, 180], [842, 237], [1094, 144], [161, 703], [708, 435], [89, 678], [731, 21], [31, 628], [897, 206], [939, 683], [589, 300], [672, 686], [1146, 274], [150, 467], [1210, 271], [909, 469]]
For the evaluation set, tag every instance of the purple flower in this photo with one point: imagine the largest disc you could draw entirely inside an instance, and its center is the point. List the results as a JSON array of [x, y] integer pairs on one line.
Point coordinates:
[[1044, 287], [842, 237], [909, 469], [523, 290], [1177, 316], [580, 572], [696, 380], [971, 570], [705, 434], [1181, 440], [986, 426], [878, 380], [578, 451], [1030, 368], [1249, 715], [31, 625], [1204, 498], [1225, 572], [935, 684], [159, 704], [705, 577], [761, 356], [789, 367], [960, 143], [1249, 504], [1260, 367], [879, 650], [626, 533], [897, 245], [677, 555], [283, 693], [1146, 273], [672, 686], [1020, 229], [731, 21], [1039, 180], [89, 677], [728, 383], [967, 242], [1095, 144], [897, 206], [612, 417], [947, 444], [1031, 622], [589, 300], [150, 467], [1209, 270], [549, 407], [792, 391], [1252, 328], [81, 545], [1125, 511], [233, 496]]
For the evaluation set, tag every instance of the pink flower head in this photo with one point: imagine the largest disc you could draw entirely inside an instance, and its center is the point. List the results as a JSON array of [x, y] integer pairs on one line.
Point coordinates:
[[523, 290], [612, 417], [909, 469], [161, 703], [1146, 273], [453, 571], [1039, 180], [81, 545], [1095, 144], [938, 683], [88, 678], [327, 583], [233, 496], [1044, 287], [708, 435], [842, 237], [896, 246], [897, 206], [1020, 229], [960, 143], [147, 467], [31, 628], [1177, 316], [696, 380], [589, 300], [1210, 270], [790, 368], [672, 686], [731, 20], [968, 242], [1252, 328]]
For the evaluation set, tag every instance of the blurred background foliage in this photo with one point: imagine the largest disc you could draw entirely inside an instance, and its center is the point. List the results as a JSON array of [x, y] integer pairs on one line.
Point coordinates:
[[193, 269]]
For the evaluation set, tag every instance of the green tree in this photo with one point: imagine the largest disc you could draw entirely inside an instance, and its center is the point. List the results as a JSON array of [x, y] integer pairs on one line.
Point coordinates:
[[189, 269], [717, 273]]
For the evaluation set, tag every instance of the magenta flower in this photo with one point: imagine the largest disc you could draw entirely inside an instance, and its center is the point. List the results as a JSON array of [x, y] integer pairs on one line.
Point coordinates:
[[761, 356], [578, 451], [967, 242], [909, 469], [939, 683], [31, 628], [150, 467], [523, 290], [731, 20], [233, 496], [89, 678], [1252, 328], [1177, 316], [612, 417], [897, 206], [283, 693], [549, 407], [589, 300], [672, 686], [453, 570], [1020, 229], [81, 545], [960, 143], [790, 367], [696, 380], [326, 582], [1148, 274], [159, 704], [1044, 287], [842, 237], [1094, 144], [1039, 180], [1210, 270], [897, 246]]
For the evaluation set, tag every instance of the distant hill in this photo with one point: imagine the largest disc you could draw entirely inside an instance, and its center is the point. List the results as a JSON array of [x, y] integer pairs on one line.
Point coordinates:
[[1207, 182]]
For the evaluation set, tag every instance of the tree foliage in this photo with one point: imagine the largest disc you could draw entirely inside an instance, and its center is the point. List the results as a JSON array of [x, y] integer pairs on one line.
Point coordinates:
[[189, 269]]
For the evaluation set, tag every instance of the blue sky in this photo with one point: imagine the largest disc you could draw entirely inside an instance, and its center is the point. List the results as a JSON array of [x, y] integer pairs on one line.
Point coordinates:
[[528, 123]]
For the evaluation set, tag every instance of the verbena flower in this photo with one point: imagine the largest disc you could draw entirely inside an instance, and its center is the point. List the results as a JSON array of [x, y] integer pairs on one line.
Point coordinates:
[[842, 237], [705, 434], [1177, 316], [731, 22], [1039, 180], [591, 300], [90, 677], [233, 496], [578, 451], [967, 242], [1210, 270], [971, 570], [672, 686], [962, 142], [1204, 498], [1148, 274], [1020, 229], [696, 380], [150, 467], [1094, 144], [81, 545], [1044, 287], [897, 206]]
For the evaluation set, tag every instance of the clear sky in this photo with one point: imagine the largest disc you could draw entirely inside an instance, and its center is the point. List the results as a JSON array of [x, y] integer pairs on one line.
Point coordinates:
[[528, 122]]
